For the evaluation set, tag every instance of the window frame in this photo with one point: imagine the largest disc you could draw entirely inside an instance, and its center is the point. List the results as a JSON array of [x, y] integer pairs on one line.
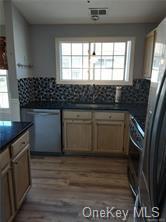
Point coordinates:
[[58, 41], [6, 110]]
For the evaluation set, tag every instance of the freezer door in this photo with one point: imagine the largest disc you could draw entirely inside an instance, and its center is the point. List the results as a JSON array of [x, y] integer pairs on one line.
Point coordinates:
[[157, 164], [152, 164]]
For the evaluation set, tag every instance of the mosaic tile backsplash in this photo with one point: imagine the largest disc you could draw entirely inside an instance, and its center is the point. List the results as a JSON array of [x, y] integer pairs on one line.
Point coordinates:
[[46, 89]]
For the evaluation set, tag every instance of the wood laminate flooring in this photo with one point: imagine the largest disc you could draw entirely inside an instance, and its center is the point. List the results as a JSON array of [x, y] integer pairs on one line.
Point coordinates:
[[63, 186]]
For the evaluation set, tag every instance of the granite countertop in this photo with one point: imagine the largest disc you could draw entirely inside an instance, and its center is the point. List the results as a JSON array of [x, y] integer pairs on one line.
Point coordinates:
[[9, 131], [137, 110]]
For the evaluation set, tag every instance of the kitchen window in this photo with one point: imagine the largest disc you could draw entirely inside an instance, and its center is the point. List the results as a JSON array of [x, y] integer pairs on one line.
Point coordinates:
[[4, 94], [95, 61]]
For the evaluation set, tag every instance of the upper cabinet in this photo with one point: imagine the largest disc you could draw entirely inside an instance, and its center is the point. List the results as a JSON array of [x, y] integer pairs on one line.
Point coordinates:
[[3, 55], [148, 55]]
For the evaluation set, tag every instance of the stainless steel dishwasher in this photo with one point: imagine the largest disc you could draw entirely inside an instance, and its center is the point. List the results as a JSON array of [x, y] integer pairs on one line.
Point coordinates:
[[45, 135]]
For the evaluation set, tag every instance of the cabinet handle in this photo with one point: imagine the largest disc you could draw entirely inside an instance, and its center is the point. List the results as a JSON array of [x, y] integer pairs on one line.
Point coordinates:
[[110, 117]]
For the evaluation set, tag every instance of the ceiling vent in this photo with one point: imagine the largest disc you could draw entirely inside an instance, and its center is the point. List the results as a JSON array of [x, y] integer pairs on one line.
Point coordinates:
[[98, 11]]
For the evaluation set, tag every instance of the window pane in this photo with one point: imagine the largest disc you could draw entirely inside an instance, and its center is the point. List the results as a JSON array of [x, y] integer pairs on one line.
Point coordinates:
[[85, 74], [3, 72], [76, 61], [119, 48], [66, 62], [85, 62], [86, 49], [118, 61], [76, 48], [107, 61], [4, 100], [106, 74], [107, 49], [91, 74], [66, 48], [97, 74], [77, 74], [110, 62], [97, 62], [3, 84], [118, 74], [98, 48], [66, 74]]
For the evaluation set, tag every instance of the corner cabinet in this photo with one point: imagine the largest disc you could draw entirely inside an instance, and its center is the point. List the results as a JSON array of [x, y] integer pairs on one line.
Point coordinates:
[[77, 130], [95, 131], [148, 54]]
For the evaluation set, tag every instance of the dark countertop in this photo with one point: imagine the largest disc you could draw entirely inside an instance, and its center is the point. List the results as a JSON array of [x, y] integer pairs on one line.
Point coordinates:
[[136, 110], [9, 131]]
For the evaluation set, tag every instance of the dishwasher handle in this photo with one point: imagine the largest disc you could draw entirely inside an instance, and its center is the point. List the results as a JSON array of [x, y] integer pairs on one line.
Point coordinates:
[[43, 113]]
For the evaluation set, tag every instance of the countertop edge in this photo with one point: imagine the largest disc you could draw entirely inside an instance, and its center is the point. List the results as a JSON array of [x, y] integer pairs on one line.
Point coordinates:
[[3, 147]]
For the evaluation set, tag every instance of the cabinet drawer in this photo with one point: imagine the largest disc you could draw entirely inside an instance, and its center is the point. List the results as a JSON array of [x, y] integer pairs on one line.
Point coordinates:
[[109, 116], [4, 158], [77, 115], [19, 144]]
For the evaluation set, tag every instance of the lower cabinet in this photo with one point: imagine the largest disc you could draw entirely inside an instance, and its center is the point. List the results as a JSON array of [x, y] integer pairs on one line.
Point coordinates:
[[95, 131], [77, 135], [109, 136], [7, 208], [7, 195], [15, 179], [21, 175]]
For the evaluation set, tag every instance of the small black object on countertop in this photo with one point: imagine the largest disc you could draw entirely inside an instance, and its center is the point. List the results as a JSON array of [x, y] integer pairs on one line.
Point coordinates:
[[9, 131], [137, 110]]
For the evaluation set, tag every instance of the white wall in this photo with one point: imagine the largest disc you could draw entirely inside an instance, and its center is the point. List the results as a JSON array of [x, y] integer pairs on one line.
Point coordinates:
[[2, 30], [21, 43], [17, 34], [43, 42]]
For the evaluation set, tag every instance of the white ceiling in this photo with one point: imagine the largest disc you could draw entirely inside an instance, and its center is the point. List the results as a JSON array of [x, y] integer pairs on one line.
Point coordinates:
[[76, 11]]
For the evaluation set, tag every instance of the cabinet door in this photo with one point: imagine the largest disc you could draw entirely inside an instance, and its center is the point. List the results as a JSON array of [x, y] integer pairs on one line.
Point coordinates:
[[77, 135], [148, 56], [21, 174], [7, 198], [109, 136]]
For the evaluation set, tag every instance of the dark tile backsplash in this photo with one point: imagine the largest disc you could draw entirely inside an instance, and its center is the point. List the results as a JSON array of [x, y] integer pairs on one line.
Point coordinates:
[[46, 89]]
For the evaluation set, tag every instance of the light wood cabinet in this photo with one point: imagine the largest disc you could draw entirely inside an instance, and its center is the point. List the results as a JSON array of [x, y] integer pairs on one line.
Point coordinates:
[[109, 131], [77, 130], [7, 195], [109, 136], [21, 175], [15, 179], [7, 209], [95, 131], [148, 54]]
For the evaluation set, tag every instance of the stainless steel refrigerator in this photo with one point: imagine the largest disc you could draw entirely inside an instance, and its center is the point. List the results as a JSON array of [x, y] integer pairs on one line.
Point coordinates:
[[151, 200]]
